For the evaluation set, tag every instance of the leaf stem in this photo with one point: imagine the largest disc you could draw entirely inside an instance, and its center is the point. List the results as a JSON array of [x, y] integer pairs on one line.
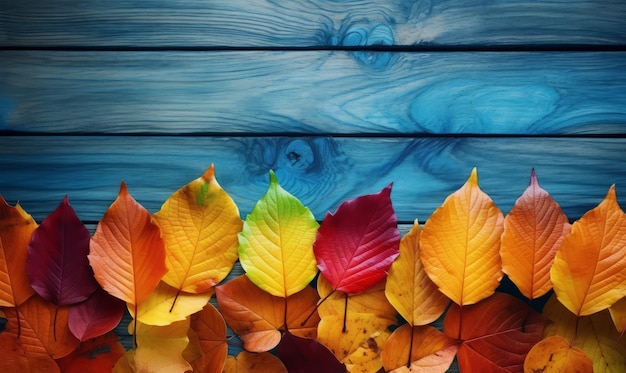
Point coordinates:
[[54, 326], [316, 306], [408, 364], [135, 328], [175, 299], [345, 313]]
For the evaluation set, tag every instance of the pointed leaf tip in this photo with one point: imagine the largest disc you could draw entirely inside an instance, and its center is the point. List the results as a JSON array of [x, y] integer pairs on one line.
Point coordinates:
[[273, 178], [209, 174], [533, 178], [123, 189], [473, 179]]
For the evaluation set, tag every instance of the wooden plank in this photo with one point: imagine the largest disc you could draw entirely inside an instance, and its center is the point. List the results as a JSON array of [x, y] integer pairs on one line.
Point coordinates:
[[254, 23], [313, 92], [321, 171]]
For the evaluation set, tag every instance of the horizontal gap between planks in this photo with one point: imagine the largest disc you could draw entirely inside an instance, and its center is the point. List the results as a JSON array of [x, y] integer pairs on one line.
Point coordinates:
[[9, 133], [359, 48]]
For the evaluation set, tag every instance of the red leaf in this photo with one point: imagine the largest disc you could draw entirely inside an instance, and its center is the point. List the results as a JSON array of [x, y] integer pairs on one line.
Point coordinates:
[[497, 333], [96, 316], [97, 355], [355, 246], [304, 355], [58, 267]]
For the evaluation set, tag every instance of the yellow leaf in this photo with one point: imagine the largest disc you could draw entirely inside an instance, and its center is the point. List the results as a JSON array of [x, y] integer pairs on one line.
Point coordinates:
[[276, 243], [360, 346], [555, 355], [409, 289], [595, 334], [248, 362], [533, 231], [418, 349], [159, 350], [618, 314], [589, 271], [160, 308], [460, 245], [199, 224]]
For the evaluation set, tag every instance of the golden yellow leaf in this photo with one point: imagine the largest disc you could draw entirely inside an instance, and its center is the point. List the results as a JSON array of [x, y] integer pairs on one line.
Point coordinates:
[[533, 231], [618, 314], [460, 245], [408, 287], [360, 346], [589, 271], [160, 309], [199, 224], [555, 355], [249, 362]]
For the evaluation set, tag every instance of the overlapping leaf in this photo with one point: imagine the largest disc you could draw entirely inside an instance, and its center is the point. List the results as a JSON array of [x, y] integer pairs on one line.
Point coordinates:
[[409, 289], [210, 330], [533, 231], [460, 245], [594, 334], [96, 355], [127, 253], [306, 355], [275, 245], [496, 333], [167, 304], [356, 245], [199, 224], [258, 317], [418, 349], [618, 314], [16, 229], [555, 355], [42, 329], [58, 267], [589, 271], [14, 359], [97, 315], [249, 362]]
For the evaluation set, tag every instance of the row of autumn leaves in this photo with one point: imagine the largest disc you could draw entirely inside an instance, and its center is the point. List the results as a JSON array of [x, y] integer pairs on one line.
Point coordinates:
[[60, 287]]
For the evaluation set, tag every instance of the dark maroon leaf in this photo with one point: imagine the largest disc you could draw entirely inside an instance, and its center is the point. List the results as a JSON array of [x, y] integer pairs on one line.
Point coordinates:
[[57, 265], [355, 246], [96, 316], [305, 355]]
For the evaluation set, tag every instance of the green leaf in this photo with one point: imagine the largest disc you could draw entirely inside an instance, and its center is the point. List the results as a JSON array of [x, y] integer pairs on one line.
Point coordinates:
[[276, 243]]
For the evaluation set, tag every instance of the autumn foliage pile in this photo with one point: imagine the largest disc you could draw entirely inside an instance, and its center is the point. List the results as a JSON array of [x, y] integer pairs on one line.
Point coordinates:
[[348, 294]]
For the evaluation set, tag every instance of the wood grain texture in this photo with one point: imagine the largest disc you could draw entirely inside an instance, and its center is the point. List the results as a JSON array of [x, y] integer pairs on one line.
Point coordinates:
[[321, 171], [313, 92], [254, 23]]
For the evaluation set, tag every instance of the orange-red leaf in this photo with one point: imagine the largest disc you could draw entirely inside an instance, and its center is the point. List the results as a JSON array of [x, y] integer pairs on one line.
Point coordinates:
[[16, 229], [418, 349], [96, 355], [408, 287], [460, 245], [127, 253], [42, 329], [14, 360], [533, 231], [555, 355], [497, 333], [257, 316], [210, 330], [589, 271], [199, 223]]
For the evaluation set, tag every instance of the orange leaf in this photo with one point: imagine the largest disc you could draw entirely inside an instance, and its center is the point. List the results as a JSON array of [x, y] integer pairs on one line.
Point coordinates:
[[533, 231], [42, 329], [200, 223], [14, 359], [460, 245], [96, 355], [210, 330], [589, 271], [409, 289], [257, 316], [127, 253], [248, 362], [555, 355], [418, 349], [16, 229]]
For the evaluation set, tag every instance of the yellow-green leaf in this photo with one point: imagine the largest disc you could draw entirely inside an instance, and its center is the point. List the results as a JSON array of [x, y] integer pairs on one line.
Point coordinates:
[[409, 289], [589, 271], [199, 224], [460, 245], [276, 243]]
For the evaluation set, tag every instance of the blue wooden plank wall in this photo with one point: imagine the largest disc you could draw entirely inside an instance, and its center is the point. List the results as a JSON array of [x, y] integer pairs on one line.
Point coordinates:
[[338, 97]]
